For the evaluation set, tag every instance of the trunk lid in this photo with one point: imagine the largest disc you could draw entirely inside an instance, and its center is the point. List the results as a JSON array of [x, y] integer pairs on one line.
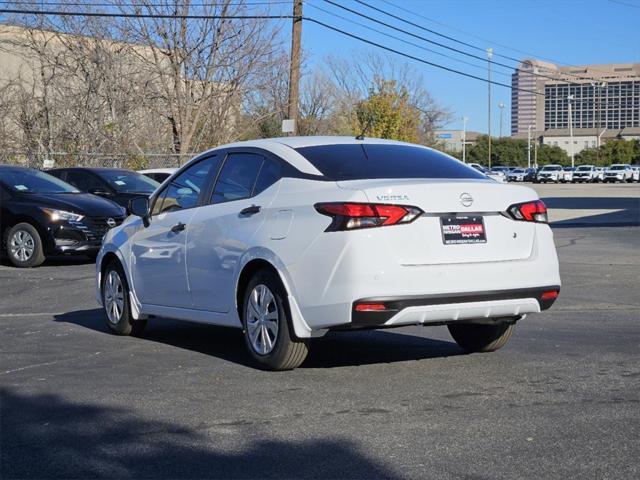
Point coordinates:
[[421, 242]]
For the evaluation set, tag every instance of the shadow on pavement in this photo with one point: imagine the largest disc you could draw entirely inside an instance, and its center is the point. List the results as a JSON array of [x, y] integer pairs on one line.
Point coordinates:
[[47, 436], [336, 349], [54, 261], [627, 214]]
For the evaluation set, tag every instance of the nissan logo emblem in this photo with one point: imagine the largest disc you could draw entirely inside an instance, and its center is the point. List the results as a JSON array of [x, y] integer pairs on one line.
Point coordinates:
[[111, 222], [466, 200]]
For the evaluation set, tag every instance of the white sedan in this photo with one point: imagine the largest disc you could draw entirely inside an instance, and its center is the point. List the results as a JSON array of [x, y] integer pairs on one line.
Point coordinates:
[[289, 238]]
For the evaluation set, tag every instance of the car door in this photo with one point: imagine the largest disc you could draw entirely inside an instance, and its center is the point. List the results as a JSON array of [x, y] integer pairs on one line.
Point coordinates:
[[223, 230], [158, 251]]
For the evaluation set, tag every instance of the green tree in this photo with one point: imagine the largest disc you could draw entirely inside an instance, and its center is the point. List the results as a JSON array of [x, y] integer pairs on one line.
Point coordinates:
[[552, 154], [387, 113]]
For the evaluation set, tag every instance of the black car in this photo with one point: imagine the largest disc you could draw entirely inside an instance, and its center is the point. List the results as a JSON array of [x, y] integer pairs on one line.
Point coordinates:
[[117, 184], [41, 215]]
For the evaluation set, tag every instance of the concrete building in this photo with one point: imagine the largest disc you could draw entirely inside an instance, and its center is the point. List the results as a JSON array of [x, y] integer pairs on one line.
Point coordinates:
[[451, 140], [604, 97]]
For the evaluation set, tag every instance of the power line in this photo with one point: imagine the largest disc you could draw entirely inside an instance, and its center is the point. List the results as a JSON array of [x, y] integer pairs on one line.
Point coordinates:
[[145, 15], [506, 57], [418, 59], [626, 4], [92, 4], [422, 47], [406, 32]]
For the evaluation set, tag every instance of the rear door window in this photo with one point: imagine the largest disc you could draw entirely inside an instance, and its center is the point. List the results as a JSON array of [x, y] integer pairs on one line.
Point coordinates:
[[84, 181], [237, 177], [371, 161]]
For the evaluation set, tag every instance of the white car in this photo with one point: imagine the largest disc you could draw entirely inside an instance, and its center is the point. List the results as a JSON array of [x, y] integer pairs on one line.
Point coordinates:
[[289, 238], [636, 173], [158, 174], [550, 173], [618, 172], [497, 176], [567, 174], [585, 173]]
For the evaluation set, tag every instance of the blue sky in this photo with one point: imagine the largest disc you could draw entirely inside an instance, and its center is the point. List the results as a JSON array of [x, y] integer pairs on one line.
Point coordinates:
[[573, 32]]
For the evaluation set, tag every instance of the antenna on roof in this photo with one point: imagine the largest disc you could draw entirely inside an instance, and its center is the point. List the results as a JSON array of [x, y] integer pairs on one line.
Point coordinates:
[[366, 128]]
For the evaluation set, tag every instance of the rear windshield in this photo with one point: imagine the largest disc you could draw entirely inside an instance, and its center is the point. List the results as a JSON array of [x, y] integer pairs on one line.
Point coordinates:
[[368, 161]]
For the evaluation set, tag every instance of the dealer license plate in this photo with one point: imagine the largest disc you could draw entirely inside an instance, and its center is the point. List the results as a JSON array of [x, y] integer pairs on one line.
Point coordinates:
[[459, 230]]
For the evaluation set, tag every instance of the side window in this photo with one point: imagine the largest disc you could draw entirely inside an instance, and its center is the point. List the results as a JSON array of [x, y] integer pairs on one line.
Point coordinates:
[[269, 174], [184, 190], [83, 181], [237, 177]]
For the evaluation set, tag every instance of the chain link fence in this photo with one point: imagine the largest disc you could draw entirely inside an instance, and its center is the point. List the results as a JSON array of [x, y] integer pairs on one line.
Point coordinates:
[[129, 161]]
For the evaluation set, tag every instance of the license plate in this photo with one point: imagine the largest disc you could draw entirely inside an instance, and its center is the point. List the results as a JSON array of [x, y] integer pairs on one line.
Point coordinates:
[[459, 230]]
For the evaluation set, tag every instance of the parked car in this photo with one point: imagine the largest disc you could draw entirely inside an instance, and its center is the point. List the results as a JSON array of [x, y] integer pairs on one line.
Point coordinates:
[[517, 175], [567, 174], [600, 175], [41, 215], [619, 172], [550, 173], [158, 174], [290, 238], [585, 174], [116, 184], [498, 177], [636, 173]]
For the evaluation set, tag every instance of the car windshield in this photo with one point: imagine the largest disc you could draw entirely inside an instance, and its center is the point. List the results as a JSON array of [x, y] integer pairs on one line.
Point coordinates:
[[371, 161], [128, 182], [551, 168], [617, 167], [33, 181], [583, 168], [568, 169], [518, 170]]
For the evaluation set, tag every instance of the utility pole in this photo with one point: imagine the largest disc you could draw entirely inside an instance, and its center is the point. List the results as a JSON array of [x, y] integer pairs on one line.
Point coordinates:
[[501, 107], [489, 56], [464, 139], [529, 146], [294, 72], [569, 98]]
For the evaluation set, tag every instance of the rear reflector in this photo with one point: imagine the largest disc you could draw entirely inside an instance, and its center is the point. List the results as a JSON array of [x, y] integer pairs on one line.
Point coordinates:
[[370, 307], [535, 211], [549, 295], [351, 216]]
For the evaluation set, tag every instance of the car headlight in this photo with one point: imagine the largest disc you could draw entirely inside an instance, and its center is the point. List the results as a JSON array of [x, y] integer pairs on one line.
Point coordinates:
[[57, 215]]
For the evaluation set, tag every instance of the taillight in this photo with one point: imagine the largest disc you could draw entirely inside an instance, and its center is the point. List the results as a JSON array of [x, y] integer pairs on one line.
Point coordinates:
[[351, 216], [535, 211]]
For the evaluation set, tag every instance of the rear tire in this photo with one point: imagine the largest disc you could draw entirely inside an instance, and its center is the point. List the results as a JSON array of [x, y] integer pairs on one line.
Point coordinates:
[[481, 338], [115, 300], [24, 246], [266, 324]]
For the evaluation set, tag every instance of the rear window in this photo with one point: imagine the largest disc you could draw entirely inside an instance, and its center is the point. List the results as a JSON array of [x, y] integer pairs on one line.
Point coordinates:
[[369, 161]]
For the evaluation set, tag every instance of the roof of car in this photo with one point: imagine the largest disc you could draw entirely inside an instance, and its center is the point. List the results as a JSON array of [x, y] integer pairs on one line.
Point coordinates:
[[311, 141], [14, 167], [93, 169]]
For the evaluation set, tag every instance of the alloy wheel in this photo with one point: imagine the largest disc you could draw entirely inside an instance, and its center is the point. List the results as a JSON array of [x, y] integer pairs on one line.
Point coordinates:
[[113, 297], [22, 245], [262, 319]]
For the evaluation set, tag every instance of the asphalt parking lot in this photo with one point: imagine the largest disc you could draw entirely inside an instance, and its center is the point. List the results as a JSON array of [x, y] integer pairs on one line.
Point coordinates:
[[561, 400]]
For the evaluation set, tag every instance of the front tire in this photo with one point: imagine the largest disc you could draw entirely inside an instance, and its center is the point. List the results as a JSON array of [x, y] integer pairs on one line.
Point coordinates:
[[115, 300], [24, 246], [481, 338], [266, 324]]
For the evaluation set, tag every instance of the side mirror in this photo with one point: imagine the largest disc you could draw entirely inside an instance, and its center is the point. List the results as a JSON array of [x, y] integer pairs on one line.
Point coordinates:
[[139, 206]]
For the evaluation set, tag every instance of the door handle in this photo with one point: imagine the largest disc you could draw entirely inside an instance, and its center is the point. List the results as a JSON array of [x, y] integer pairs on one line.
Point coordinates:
[[252, 210], [178, 227]]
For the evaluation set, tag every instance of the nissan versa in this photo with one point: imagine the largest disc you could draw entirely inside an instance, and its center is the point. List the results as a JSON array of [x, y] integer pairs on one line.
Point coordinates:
[[42, 215], [290, 238]]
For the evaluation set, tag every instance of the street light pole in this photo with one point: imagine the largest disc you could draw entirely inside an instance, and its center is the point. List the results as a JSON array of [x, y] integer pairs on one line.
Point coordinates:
[[489, 56], [501, 107], [569, 98], [529, 146], [464, 139]]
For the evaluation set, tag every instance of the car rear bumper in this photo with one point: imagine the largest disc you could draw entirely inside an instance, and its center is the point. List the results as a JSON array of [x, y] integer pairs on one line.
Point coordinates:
[[450, 308]]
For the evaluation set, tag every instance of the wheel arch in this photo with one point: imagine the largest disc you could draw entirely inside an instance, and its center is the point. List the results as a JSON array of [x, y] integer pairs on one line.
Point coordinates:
[[300, 328]]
